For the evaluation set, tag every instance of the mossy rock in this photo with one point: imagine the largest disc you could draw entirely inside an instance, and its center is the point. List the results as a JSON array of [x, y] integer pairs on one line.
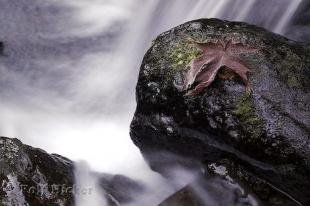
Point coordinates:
[[266, 131]]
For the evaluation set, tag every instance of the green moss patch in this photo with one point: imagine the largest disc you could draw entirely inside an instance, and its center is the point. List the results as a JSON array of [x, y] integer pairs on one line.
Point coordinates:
[[182, 54], [245, 111]]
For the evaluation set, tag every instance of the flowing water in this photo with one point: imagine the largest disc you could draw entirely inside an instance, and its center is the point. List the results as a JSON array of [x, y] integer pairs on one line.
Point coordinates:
[[87, 190], [70, 67]]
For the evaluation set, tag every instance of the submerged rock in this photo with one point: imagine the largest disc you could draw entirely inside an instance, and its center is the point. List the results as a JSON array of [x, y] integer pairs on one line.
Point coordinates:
[[186, 196], [261, 135], [30, 176], [213, 191], [121, 189]]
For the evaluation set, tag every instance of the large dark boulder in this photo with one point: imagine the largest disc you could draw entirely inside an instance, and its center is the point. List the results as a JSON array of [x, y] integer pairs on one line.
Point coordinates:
[[30, 176], [261, 136]]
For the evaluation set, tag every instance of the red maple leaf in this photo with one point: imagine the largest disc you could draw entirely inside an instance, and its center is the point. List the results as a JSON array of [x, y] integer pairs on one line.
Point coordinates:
[[204, 68]]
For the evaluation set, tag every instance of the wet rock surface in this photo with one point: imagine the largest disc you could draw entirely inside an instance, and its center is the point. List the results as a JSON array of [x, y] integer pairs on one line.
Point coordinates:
[[184, 197], [1, 48], [213, 190], [120, 189], [30, 176], [261, 136]]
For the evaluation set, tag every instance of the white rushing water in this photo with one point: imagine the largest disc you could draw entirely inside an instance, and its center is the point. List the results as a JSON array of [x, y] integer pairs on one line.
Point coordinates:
[[287, 15], [86, 188], [68, 83]]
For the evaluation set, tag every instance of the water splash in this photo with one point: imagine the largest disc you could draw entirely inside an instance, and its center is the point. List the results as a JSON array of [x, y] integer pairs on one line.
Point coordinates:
[[86, 188]]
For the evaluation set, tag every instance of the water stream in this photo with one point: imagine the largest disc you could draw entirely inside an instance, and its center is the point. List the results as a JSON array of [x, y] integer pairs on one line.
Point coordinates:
[[71, 67]]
